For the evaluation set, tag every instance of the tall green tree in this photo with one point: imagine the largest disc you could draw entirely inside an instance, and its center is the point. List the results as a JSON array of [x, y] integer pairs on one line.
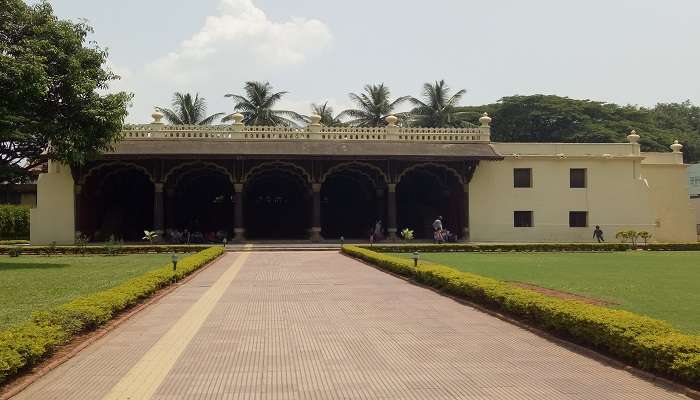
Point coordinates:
[[51, 85], [438, 109], [373, 106], [188, 110], [257, 106], [328, 118], [549, 118]]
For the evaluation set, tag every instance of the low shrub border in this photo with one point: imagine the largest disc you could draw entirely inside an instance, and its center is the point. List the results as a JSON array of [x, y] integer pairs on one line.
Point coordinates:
[[644, 342], [24, 345], [525, 247], [118, 249]]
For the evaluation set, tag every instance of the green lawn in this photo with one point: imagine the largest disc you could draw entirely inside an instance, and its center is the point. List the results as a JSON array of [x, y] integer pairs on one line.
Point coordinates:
[[663, 285], [29, 283]]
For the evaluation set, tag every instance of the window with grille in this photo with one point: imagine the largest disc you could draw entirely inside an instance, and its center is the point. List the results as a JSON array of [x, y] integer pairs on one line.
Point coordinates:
[[522, 219], [577, 177], [522, 177], [578, 219]]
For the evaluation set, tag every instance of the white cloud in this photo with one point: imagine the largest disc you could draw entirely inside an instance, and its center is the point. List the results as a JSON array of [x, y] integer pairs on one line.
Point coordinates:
[[241, 35]]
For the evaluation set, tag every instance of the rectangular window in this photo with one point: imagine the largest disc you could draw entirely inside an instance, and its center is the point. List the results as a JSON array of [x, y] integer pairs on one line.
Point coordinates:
[[522, 177], [577, 177], [578, 219], [522, 219]]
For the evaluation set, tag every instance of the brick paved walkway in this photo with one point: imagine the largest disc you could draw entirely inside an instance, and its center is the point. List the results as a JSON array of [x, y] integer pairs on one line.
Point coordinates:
[[317, 325]]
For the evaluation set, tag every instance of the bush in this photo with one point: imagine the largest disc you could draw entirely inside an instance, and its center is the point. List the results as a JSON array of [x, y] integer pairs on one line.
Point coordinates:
[[527, 247], [522, 247], [647, 343], [14, 222], [114, 248], [24, 345]]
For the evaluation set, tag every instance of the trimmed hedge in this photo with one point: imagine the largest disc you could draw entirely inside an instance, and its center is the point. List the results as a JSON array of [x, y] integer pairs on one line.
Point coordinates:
[[24, 345], [647, 343], [525, 247], [119, 249], [14, 222]]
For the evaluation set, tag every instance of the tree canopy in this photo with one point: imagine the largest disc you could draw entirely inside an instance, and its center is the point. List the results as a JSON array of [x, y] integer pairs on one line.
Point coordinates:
[[373, 106], [257, 106], [52, 82], [438, 109], [188, 110], [549, 118]]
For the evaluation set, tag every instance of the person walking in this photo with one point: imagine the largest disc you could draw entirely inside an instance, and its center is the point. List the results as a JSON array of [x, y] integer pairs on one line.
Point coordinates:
[[598, 234]]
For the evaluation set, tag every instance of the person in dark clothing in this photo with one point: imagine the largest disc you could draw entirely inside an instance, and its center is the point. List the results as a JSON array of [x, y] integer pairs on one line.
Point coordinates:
[[598, 234]]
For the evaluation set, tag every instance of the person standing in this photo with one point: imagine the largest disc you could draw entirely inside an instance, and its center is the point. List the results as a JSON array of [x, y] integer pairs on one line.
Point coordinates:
[[598, 234], [437, 230]]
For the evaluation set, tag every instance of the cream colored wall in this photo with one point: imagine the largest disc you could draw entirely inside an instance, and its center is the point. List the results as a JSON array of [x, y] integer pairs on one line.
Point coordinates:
[[673, 213], [622, 193], [611, 198], [53, 219]]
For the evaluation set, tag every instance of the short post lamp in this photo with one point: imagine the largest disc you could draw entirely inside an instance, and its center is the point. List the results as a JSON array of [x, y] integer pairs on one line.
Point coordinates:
[[174, 260], [342, 240], [225, 242], [416, 257]]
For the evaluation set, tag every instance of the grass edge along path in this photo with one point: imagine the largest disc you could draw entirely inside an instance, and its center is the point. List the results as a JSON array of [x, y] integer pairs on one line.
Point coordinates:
[[24, 345], [643, 342]]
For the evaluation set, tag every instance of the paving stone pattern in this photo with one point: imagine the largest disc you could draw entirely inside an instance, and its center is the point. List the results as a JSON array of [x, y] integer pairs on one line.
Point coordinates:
[[318, 325]]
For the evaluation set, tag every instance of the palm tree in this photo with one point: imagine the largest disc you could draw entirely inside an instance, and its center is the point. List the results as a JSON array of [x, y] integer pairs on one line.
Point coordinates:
[[257, 106], [438, 110], [373, 106], [326, 113], [188, 111]]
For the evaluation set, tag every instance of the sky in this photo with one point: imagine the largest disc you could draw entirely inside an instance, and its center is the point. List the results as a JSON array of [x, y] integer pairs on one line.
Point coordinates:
[[623, 51]]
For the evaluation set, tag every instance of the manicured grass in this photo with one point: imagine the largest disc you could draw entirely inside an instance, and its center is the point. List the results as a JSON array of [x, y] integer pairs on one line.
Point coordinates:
[[30, 283], [662, 285]]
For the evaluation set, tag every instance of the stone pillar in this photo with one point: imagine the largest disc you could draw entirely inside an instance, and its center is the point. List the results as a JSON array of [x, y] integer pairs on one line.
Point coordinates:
[[238, 227], [316, 212], [391, 211], [466, 213], [76, 209], [158, 209]]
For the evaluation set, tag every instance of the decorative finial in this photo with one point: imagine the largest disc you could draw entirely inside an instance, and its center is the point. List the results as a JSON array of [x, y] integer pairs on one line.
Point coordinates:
[[633, 137], [237, 118], [315, 120], [485, 120], [391, 120], [157, 116], [676, 147]]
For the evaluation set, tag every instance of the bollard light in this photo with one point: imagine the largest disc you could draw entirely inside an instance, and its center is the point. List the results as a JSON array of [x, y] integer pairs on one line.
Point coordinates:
[[174, 259], [342, 240], [225, 241], [416, 257]]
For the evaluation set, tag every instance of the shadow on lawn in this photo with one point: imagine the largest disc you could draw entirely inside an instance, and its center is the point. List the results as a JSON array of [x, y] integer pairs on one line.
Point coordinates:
[[5, 266]]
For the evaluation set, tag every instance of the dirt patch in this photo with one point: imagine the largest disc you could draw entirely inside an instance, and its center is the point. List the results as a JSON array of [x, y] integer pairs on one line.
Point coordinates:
[[562, 295]]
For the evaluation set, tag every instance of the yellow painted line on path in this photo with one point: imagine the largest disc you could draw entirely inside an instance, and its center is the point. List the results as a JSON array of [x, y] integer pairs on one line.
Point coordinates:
[[143, 379]]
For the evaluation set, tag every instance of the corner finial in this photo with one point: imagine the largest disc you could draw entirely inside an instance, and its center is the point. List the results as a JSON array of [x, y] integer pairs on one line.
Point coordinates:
[[237, 118], [676, 147], [315, 120], [157, 116], [485, 120], [633, 137], [391, 120]]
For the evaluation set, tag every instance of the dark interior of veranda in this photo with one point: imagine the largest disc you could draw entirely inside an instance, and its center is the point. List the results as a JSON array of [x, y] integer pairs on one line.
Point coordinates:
[[208, 198]]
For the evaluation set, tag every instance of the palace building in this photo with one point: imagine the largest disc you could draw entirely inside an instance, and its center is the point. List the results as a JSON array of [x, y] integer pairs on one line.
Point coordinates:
[[322, 183]]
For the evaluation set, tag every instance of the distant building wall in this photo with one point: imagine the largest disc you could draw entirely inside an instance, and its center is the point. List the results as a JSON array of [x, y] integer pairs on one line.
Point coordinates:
[[694, 179]]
